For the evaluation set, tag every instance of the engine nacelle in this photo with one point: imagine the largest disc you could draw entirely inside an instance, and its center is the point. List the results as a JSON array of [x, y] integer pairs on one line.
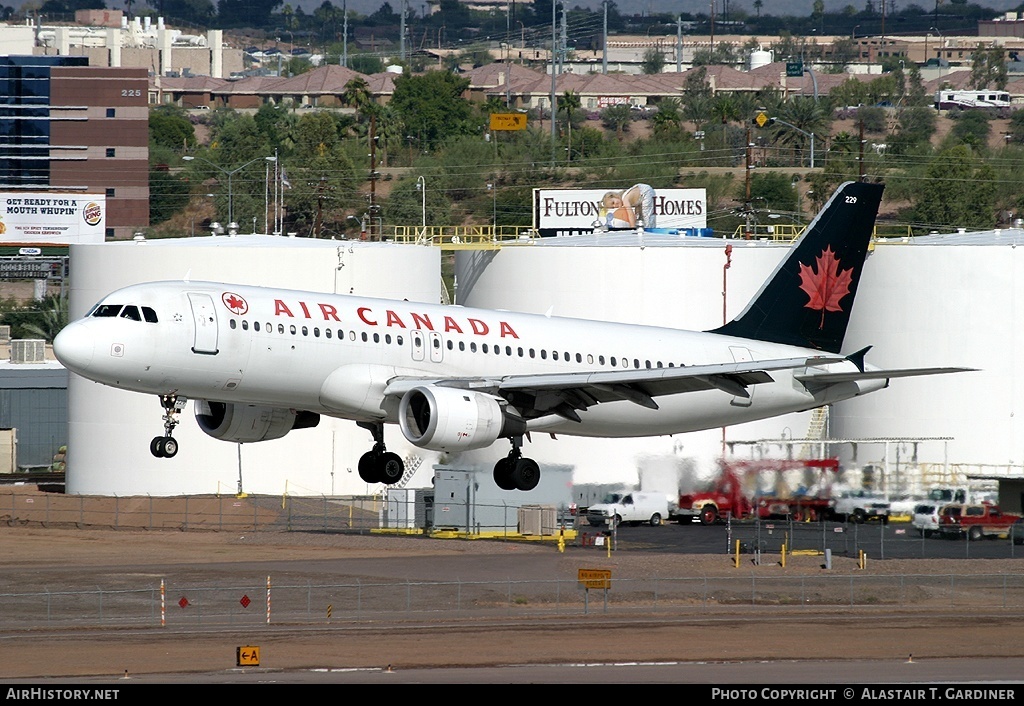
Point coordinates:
[[245, 423], [450, 419]]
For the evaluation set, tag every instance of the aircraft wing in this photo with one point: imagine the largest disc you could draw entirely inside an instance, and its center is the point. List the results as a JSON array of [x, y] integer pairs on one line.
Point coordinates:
[[565, 394]]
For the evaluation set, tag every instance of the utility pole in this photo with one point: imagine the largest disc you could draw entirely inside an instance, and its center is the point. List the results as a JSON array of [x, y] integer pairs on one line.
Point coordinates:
[[604, 45], [679, 44], [401, 43], [747, 205], [318, 220], [554, 43], [374, 208], [344, 34]]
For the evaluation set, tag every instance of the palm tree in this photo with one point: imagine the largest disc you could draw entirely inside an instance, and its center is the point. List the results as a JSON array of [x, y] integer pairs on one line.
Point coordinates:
[[807, 117], [54, 317], [758, 4], [570, 104]]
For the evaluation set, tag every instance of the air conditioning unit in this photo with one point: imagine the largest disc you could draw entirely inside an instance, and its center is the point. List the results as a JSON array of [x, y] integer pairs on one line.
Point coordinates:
[[28, 350]]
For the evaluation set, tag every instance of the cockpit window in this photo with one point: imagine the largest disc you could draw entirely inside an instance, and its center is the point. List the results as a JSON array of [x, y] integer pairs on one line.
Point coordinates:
[[149, 315], [131, 312], [107, 310]]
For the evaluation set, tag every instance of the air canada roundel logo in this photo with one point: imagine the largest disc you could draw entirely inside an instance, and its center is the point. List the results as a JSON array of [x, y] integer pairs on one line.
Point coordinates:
[[234, 303]]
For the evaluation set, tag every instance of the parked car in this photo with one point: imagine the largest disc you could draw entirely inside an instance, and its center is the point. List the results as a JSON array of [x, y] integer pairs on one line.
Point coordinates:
[[1017, 531], [926, 518]]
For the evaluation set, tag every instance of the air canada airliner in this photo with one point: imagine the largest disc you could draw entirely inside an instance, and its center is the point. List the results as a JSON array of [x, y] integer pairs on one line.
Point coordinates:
[[261, 362]]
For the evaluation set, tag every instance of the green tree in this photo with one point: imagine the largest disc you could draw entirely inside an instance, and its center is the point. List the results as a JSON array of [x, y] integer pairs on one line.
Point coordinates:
[[653, 61], [617, 118], [432, 106], [52, 316], [972, 127], [959, 191], [168, 194], [365, 63], [169, 127], [988, 68], [569, 108]]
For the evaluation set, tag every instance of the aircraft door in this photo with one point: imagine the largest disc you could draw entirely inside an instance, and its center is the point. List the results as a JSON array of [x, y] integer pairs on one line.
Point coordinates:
[[742, 355], [436, 347], [417, 344], [205, 317]]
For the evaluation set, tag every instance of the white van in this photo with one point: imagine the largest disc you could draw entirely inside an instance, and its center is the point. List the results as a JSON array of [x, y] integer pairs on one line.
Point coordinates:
[[632, 508]]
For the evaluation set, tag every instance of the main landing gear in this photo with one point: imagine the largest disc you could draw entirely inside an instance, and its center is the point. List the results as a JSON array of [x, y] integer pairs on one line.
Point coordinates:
[[515, 472], [165, 446], [379, 465]]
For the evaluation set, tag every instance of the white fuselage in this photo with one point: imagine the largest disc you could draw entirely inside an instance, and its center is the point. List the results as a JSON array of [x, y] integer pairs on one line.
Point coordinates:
[[335, 354]]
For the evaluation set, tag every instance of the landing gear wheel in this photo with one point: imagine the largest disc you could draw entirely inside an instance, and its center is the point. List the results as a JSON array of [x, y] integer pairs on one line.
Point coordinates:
[[368, 467], [390, 468], [156, 446], [526, 474], [170, 447], [503, 474]]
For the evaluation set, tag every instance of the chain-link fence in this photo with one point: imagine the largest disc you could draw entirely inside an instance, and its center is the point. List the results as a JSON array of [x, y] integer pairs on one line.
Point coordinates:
[[310, 603]]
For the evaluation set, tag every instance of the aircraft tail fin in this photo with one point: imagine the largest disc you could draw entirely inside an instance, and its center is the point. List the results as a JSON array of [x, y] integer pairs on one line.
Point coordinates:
[[807, 300]]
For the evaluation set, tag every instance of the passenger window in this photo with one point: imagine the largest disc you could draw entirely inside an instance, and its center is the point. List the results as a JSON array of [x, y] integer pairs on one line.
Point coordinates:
[[256, 326], [365, 338], [462, 345], [508, 350], [280, 328], [472, 348], [533, 353], [292, 329], [484, 348], [316, 332], [590, 358], [327, 332], [554, 355], [376, 338], [612, 361], [149, 315], [231, 324], [519, 351], [398, 340], [245, 324], [451, 345], [387, 338]]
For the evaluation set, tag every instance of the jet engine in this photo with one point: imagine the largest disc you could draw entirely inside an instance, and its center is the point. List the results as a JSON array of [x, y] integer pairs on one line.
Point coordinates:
[[245, 423], [450, 419]]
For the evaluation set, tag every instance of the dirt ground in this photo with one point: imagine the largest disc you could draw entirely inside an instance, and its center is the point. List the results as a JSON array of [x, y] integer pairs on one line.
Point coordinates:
[[61, 559]]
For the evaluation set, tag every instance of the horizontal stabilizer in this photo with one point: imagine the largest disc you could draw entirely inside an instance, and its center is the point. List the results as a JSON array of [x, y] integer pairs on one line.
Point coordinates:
[[833, 378]]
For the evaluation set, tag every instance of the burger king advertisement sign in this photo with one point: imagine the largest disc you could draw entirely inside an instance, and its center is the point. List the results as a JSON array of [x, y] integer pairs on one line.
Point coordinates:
[[52, 218]]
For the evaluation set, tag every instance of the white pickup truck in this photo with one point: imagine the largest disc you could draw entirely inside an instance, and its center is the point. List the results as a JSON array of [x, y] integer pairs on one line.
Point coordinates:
[[859, 506], [632, 508]]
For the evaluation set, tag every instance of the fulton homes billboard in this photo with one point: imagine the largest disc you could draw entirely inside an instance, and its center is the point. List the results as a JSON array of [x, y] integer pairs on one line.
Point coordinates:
[[579, 211], [41, 217]]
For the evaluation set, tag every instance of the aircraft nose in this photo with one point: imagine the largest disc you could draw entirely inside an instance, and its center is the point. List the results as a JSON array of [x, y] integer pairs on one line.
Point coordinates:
[[74, 347]]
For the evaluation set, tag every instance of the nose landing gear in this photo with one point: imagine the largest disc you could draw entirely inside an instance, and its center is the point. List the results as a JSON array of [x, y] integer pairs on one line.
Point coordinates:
[[166, 446]]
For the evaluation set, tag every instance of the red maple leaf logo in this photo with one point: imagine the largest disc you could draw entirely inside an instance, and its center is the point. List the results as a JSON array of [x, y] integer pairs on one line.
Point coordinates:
[[234, 303], [826, 286]]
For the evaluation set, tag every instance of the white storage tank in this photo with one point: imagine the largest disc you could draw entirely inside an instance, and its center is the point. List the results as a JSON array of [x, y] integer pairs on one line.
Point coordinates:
[[936, 302], [759, 58], [110, 430]]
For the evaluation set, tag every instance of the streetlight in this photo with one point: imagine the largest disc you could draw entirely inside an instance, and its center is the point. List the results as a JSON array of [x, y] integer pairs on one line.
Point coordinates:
[[494, 207], [803, 132], [231, 173], [421, 186]]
